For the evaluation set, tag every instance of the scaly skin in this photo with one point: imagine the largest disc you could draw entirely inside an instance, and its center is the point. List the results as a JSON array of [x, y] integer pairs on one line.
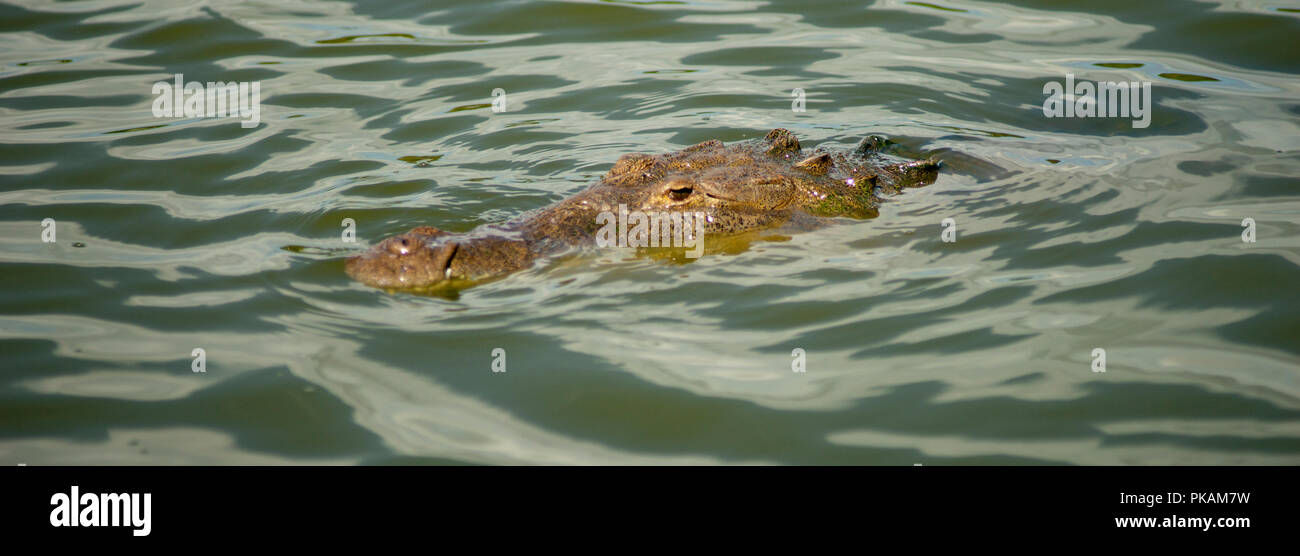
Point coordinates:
[[741, 188]]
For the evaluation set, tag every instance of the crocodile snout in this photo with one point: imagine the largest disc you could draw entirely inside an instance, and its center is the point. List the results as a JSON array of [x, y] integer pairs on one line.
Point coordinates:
[[409, 260]]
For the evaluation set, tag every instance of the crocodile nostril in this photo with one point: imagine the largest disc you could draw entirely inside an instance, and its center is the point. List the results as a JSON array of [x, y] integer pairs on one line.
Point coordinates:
[[400, 247]]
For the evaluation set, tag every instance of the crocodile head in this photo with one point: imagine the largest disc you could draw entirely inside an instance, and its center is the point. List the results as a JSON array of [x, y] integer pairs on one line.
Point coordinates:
[[733, 189]]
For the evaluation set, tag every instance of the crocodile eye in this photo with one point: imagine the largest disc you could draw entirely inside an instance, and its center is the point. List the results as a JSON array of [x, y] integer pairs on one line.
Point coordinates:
[[680, 193]]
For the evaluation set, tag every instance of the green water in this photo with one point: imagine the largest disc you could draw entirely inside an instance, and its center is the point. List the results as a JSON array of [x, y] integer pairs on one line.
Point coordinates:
[[171, 235]]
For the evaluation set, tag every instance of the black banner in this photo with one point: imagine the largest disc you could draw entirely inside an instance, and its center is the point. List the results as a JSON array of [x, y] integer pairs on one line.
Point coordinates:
[[133, 505]]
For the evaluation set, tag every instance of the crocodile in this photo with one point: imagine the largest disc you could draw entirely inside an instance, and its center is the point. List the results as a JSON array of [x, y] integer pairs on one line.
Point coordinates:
[[735, 189]]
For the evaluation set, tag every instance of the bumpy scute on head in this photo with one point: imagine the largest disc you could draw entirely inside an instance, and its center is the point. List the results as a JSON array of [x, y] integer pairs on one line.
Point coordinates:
[[816, 165], [783, 143], [633, 169], [710, 144], [871, 144]]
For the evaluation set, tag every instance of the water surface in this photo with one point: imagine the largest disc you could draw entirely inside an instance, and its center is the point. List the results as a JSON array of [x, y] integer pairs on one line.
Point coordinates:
[[1073, 235]]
